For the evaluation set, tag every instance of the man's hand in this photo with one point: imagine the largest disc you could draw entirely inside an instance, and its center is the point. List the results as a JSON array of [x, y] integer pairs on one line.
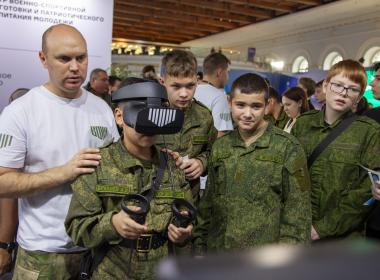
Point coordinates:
[[178, 234], [376, 190], [84, 162], [314, 234], [5, 260], [126, 226], [192, 167]]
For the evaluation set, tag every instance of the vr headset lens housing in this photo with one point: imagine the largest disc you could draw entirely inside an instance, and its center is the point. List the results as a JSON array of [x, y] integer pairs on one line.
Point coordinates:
[[146, 110]]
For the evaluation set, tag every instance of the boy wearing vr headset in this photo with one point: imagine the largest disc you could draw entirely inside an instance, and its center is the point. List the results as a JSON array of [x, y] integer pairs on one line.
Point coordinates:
[[258, 185], [95, 220], [191, 145]]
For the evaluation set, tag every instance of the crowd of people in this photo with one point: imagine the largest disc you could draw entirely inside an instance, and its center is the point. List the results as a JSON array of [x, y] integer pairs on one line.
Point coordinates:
[[104, 181]]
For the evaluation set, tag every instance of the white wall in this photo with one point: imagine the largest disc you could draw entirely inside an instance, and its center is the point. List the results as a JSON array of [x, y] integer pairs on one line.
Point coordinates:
[[350, 27], [22, 24]]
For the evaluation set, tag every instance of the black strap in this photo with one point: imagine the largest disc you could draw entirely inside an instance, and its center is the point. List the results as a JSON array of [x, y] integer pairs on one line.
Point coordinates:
[[156, 181], [335, 132]]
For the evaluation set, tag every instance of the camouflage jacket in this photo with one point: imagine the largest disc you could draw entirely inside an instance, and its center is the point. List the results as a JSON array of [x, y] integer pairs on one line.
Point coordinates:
[[255, 195], [96, 197], [195, 138], [339, 186], [281, 120]]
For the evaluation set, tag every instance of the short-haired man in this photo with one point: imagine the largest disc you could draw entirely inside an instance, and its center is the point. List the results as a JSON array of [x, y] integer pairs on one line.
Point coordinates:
[[41, 134], [114, 84], [375, 84], [98, 85], [258, 185], [318, 99], [210, 90], [193, 142], [274, 111], [149, 72]]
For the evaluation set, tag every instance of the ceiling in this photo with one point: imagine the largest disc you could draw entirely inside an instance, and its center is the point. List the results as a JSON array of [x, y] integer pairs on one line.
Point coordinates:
[[179, 21]]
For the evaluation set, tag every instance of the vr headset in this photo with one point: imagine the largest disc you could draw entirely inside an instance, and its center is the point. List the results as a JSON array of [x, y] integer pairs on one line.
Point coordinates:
[[146, 109]]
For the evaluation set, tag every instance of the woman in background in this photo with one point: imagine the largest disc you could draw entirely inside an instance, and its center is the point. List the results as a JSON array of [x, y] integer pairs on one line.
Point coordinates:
[[295, 103]]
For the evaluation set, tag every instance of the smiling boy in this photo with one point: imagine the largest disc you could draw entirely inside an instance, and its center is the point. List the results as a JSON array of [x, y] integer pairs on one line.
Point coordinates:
[[258, 188]]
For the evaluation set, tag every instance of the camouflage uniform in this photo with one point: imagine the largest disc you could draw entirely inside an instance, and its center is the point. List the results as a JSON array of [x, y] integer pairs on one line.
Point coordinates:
[[339, 186], [98, 196], [281, 120], [195, 138], [255, 195]]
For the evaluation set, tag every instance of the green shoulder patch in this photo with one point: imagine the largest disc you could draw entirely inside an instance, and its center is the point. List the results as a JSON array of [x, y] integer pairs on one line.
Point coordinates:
[[5, 140], [199, 139]]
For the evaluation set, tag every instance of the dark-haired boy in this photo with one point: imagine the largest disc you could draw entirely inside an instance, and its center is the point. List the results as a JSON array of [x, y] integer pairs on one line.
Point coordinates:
[[258, 188], [274, 111]]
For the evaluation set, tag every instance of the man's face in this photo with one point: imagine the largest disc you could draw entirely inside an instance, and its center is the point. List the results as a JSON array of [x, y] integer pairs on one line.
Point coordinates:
[[344, 101], [320, 95], [66, 61], [100, 83], [375, 84], [180, 90], [247, 111]]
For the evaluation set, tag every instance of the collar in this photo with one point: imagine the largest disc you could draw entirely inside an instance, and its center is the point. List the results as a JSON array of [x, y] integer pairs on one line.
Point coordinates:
[[262, 142], [320, 120], [124, 160]]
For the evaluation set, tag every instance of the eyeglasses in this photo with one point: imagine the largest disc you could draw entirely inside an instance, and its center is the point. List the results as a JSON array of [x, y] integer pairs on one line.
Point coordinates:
[[349, 91]]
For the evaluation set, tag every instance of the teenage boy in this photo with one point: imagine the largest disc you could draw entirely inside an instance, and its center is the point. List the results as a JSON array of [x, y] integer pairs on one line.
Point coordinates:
[[193, 142], [274, 111], [339, 186], [258, 188], [129, 250]]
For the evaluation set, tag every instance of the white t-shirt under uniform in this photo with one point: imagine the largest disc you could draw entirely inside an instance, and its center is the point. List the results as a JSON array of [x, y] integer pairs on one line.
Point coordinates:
[[216, 100], [41, 130]]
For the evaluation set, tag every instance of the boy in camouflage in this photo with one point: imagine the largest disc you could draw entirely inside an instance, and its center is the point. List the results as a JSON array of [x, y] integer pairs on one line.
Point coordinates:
[[198, 132], [339, 186], [258, 188], [95, 220]]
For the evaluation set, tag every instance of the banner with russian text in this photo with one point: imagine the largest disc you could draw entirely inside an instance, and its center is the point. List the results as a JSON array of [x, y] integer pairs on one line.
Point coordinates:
[[22, 23]]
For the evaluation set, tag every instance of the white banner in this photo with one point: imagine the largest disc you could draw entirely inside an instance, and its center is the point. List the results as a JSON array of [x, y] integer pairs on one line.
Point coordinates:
[[22, 23]]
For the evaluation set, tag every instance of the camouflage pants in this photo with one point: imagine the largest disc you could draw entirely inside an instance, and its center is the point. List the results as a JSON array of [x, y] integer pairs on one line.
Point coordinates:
[[38, 265]]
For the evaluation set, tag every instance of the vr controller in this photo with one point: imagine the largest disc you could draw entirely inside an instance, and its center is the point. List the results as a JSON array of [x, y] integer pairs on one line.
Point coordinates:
[[184, 212]]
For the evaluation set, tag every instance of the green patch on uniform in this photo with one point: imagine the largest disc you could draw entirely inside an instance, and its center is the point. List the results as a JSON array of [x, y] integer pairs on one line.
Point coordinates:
[[225, 116], [116, 189], [169, 193], [99, 132], [269, 157], [199, 139], [5, 140]]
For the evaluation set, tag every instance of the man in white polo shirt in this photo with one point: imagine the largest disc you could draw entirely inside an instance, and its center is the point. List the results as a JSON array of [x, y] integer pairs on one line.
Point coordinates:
[[41, 134], [210, 90]]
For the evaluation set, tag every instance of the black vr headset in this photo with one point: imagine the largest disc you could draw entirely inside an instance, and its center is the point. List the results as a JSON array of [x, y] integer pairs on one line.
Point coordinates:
[[145, 108]]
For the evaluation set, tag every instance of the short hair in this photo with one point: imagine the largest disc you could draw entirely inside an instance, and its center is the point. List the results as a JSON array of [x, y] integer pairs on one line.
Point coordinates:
[[309, 84], [250, 84], [148, 68], [215, 61], [376, 66], [179, 63], [95, 73], [112, 79], [296, 94], [350, 69], [273, 93], [17, 93]]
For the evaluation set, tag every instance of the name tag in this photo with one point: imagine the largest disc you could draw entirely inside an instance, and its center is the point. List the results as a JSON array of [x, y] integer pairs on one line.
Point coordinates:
[[113, 189], [168, 193]]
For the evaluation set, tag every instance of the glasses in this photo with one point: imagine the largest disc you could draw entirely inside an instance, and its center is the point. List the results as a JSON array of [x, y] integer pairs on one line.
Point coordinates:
[[349, 91]]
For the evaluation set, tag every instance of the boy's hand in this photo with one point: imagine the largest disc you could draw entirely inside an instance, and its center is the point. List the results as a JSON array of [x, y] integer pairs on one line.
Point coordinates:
[[314, 234], [126, 226], [178, 234], [192, 167]]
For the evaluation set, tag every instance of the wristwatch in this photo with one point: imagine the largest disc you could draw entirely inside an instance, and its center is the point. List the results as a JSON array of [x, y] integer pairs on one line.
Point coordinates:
[[7, 246]]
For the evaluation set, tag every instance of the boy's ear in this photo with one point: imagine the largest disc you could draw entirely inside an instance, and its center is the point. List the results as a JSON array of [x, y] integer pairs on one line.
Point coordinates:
[[118, 113], [161, 80]]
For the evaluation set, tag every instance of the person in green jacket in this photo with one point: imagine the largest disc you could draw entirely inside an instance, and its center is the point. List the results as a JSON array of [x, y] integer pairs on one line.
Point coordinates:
[[339, 185], [129, 250], [258, 186], [198, 133]]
